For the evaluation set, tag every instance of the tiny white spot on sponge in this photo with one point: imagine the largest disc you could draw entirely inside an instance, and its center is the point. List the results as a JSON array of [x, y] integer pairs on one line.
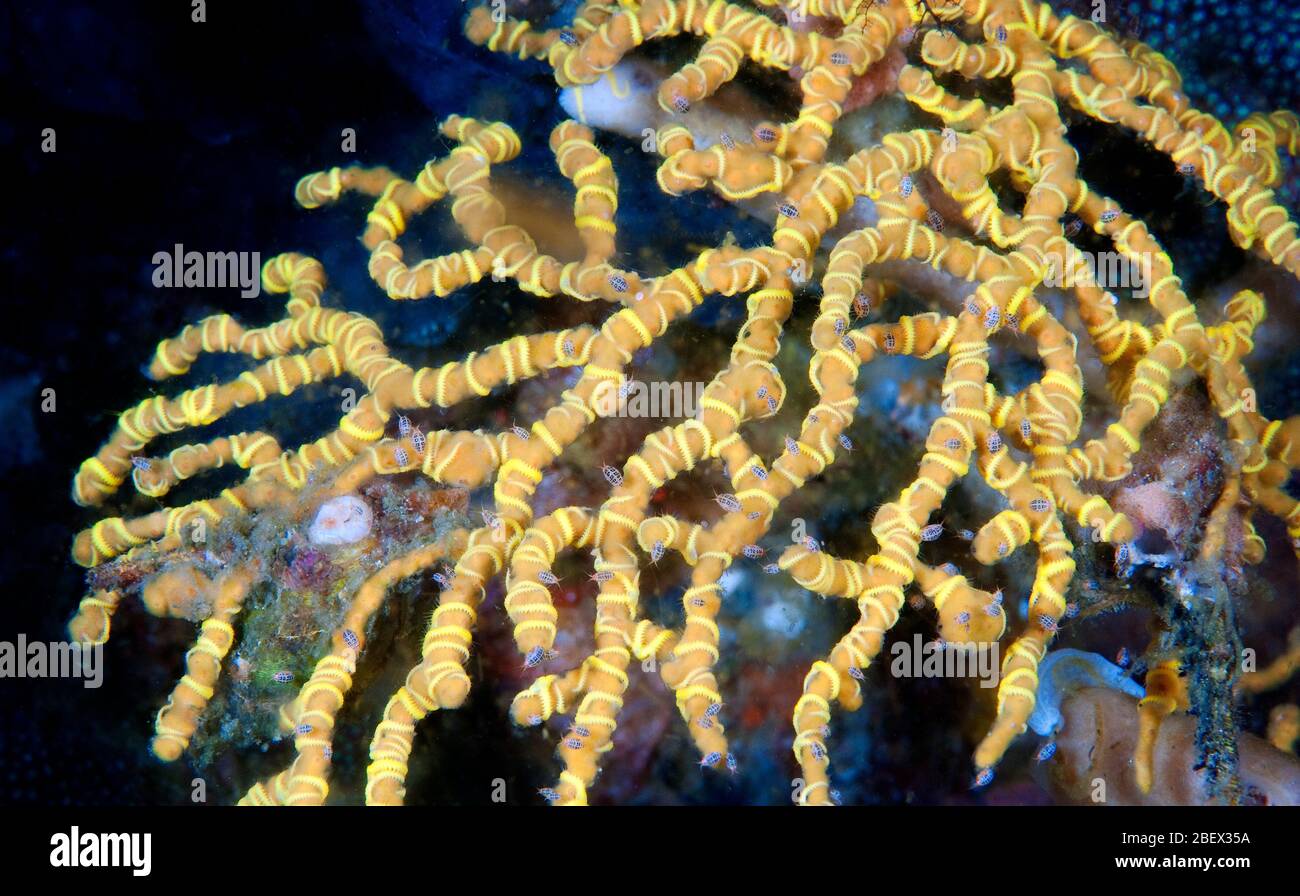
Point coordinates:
[[342, 520]]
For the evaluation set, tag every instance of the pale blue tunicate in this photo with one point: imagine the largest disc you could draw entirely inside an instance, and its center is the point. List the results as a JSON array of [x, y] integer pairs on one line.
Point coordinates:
[[1064, 671]]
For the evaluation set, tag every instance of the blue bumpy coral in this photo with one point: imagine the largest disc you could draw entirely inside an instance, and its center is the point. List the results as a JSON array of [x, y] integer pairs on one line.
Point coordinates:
[[1235, 57], [1247, 57]]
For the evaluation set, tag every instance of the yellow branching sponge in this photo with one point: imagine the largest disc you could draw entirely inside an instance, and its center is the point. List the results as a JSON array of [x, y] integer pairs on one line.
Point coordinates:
[[1027, 445]]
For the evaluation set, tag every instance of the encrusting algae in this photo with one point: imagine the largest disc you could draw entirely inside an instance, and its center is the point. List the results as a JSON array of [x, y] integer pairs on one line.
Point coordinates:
[[1007, 173]]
